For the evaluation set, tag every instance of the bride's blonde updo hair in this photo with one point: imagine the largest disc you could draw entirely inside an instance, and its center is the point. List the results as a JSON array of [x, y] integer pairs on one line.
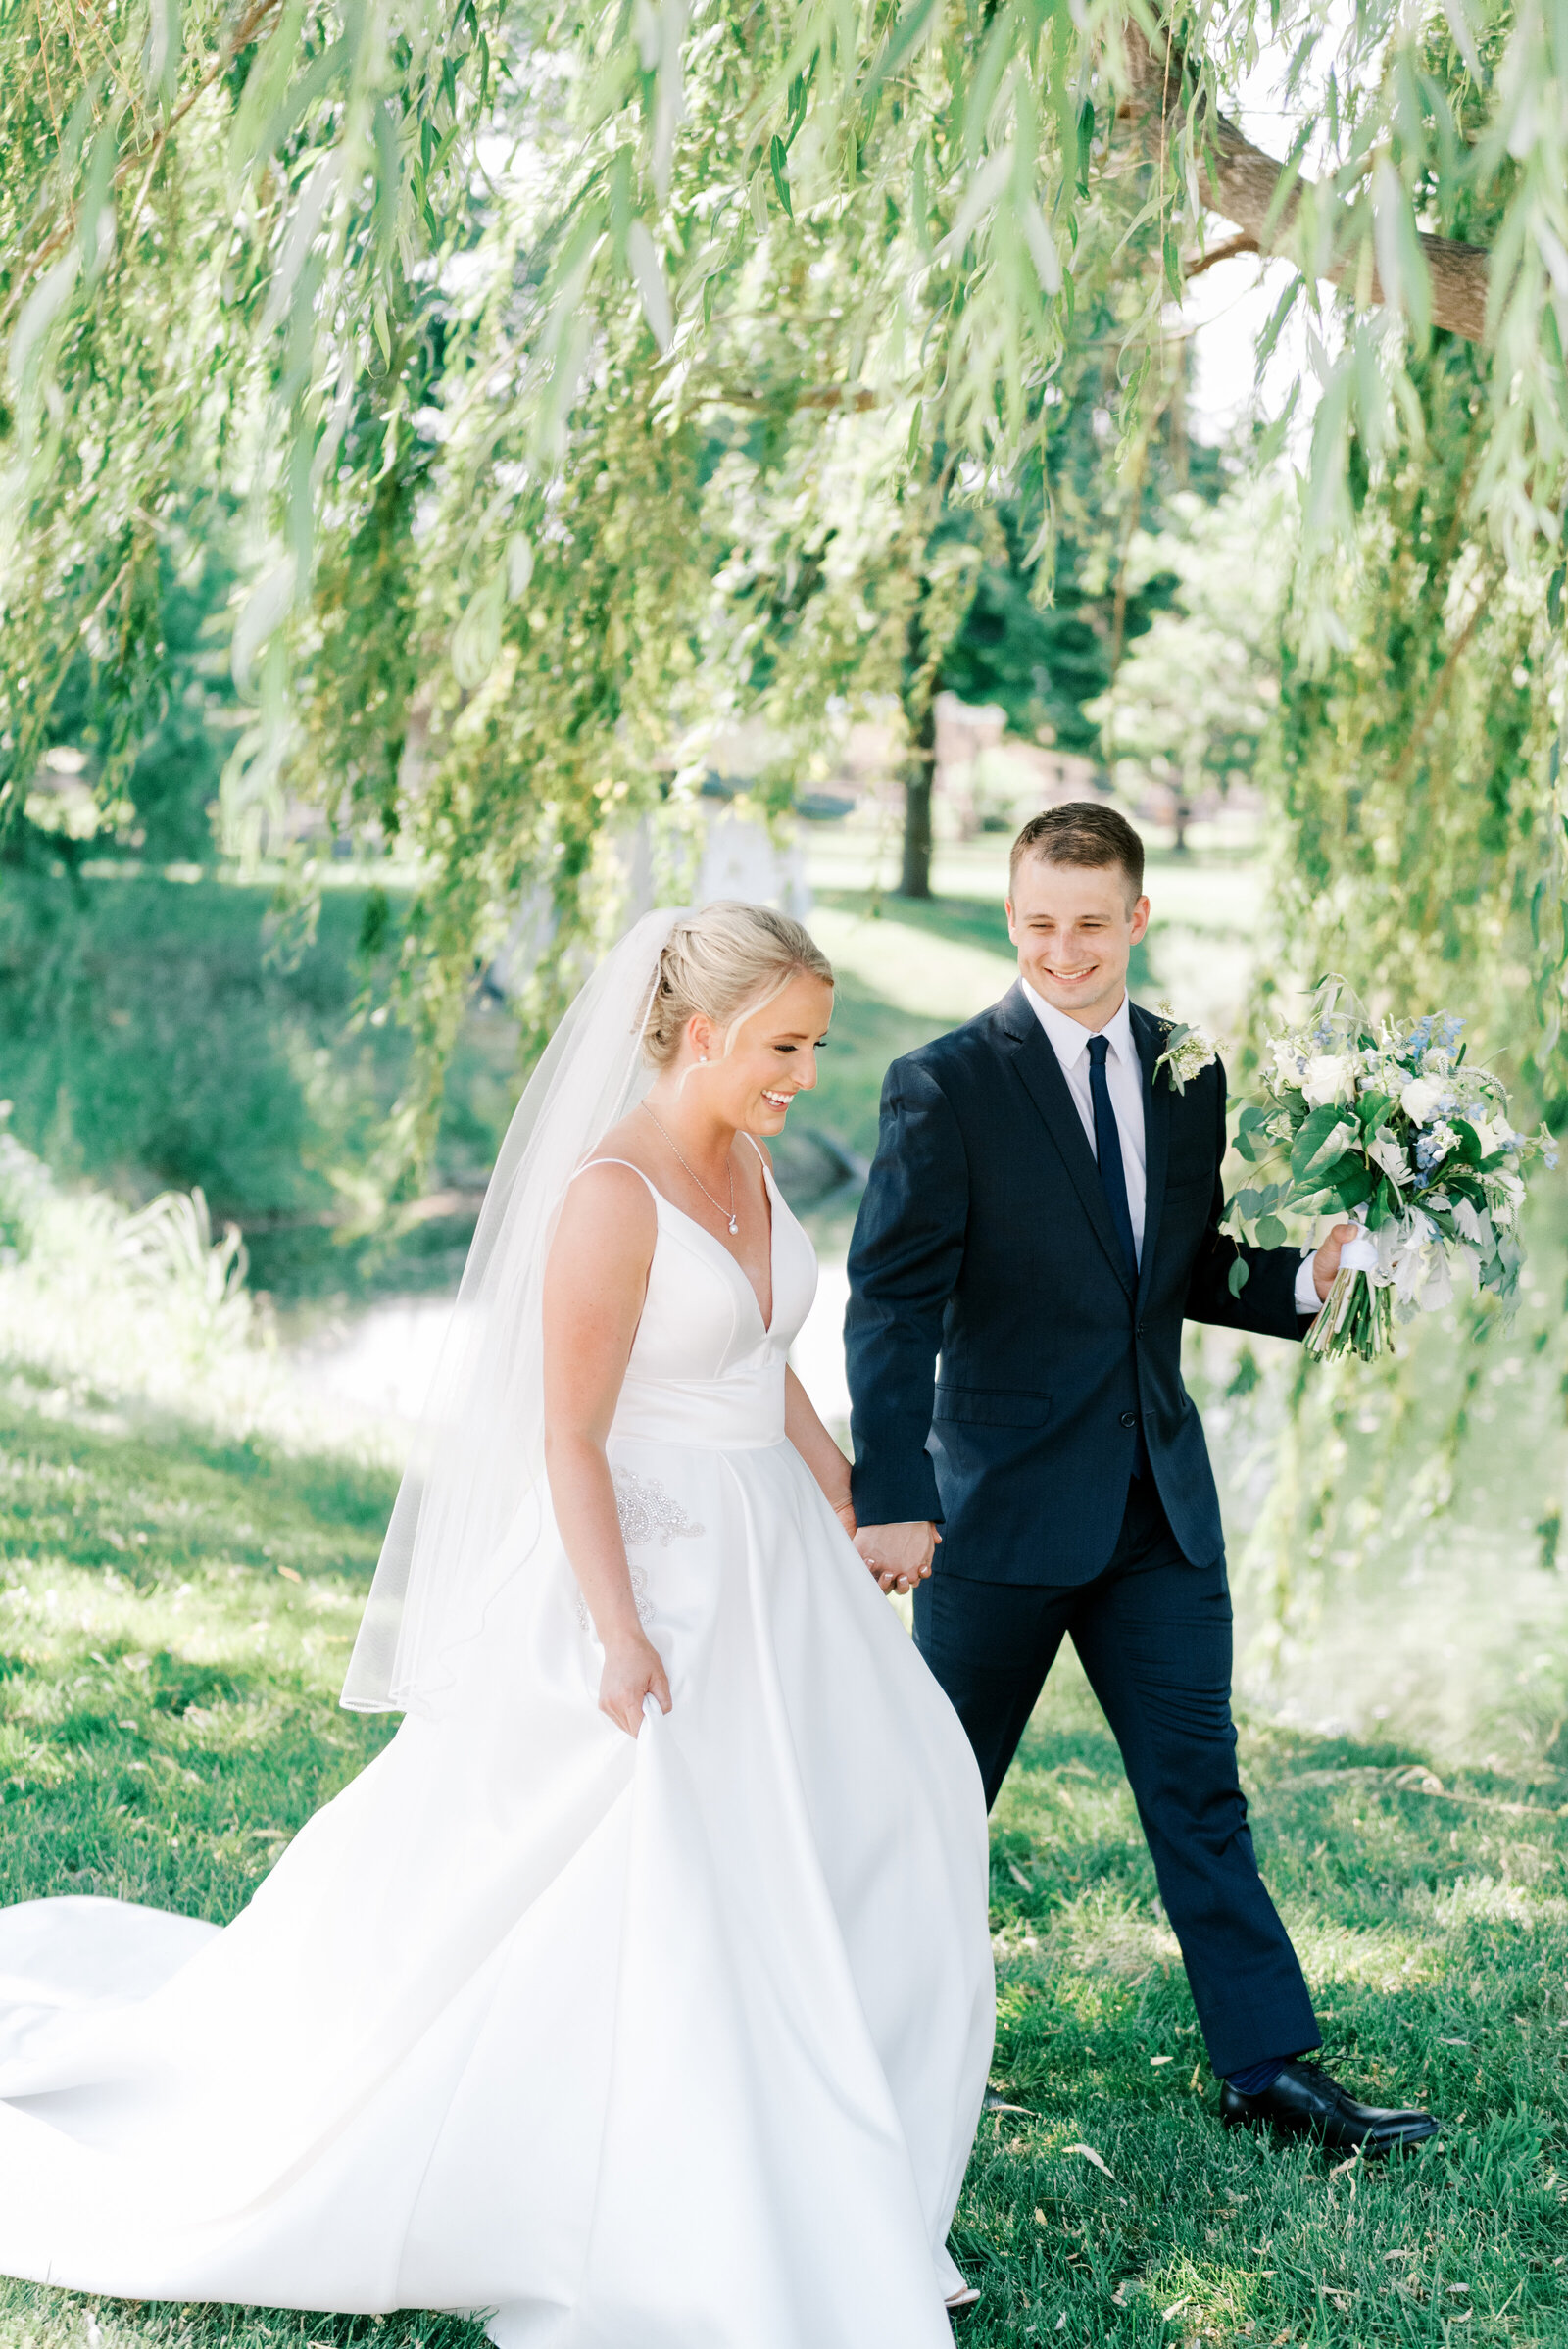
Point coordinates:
[[725, 962]]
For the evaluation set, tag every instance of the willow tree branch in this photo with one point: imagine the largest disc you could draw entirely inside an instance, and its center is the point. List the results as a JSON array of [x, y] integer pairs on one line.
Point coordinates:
[[855, 397], [1215, 254], [34, 264], [1242, 183]]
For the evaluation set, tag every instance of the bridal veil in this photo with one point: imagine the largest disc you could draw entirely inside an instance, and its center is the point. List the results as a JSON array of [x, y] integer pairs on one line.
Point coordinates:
[[468, 1514]]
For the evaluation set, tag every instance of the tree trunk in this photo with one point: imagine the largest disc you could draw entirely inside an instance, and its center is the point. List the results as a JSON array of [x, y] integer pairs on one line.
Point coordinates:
[[918, 775]]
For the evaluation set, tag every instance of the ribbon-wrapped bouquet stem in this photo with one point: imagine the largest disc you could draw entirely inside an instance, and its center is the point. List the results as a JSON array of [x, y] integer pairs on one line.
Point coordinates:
[[1391, 1125]]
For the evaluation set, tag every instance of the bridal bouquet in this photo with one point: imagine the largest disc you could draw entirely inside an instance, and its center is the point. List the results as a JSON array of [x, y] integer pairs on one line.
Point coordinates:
[[1388, 1125]]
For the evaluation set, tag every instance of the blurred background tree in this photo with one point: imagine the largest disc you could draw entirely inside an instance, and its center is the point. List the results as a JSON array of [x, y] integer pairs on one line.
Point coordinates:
[[1195, 696]]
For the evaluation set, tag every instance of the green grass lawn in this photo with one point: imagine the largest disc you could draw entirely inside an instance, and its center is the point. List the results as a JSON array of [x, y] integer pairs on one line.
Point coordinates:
[[174, 1614]]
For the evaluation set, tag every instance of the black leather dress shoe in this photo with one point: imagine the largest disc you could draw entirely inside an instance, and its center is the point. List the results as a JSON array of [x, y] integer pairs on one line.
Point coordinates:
[[1304, 2102]]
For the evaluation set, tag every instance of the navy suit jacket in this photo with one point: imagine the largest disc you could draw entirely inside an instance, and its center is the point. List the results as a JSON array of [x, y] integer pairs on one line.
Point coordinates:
[[999, 1355]]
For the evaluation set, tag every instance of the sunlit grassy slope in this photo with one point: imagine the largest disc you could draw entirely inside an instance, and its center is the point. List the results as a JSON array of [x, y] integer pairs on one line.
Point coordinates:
[[174, 1619]]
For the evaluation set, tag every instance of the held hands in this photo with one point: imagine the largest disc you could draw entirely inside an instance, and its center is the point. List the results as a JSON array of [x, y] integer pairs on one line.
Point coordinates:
[[1326, 1263], [632, 1671], [899, 1555]]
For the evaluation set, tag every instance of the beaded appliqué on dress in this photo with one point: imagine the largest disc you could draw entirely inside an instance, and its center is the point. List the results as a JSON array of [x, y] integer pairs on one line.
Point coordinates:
[[645, 1509]]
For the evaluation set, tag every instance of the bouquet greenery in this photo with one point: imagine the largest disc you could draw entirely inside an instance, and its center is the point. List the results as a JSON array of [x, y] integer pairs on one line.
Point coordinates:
[[1391, 1125]]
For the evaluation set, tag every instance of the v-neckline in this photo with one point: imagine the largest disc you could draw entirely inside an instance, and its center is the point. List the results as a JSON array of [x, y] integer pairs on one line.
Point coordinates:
[[772, 1195]]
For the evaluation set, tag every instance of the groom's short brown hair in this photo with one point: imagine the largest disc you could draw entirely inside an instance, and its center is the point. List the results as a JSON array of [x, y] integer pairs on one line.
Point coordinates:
[[1081, 832]]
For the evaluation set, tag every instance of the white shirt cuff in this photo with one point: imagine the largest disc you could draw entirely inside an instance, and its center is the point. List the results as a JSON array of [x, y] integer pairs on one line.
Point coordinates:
[[1307, 1300]]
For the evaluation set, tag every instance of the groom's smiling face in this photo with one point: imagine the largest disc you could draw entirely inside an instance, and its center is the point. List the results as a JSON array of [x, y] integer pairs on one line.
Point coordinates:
[[1075, 927]]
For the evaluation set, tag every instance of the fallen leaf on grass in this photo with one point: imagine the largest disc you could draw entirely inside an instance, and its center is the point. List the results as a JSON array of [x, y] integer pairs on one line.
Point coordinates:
[[1161, 2059], [1090, 2155], [1349, 2163], [289, 1575], [1175, 2308], [1018, 1877]]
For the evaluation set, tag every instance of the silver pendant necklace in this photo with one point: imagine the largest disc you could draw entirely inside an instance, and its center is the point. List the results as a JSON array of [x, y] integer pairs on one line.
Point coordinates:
[[729, 1211]]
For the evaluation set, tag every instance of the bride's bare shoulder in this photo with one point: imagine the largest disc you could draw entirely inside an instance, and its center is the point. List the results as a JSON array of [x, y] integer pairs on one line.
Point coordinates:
[[602, 1250], [610, 1198]]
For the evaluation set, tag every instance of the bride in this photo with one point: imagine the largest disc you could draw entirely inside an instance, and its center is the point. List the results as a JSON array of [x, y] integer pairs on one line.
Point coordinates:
[[639, 1994]]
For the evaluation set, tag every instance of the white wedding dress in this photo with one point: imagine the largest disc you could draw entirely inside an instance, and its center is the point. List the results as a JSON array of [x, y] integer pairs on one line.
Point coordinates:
[[668, 2043]]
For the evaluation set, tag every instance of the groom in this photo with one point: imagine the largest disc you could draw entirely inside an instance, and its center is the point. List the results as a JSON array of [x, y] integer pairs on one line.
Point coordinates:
[[1041, 1216]]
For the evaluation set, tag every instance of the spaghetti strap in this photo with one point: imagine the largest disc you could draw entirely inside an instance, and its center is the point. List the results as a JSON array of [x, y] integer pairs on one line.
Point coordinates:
[[636, 1170]]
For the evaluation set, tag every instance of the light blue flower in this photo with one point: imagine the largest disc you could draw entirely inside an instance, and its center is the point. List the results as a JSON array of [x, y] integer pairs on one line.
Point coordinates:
[[1434, 1145]]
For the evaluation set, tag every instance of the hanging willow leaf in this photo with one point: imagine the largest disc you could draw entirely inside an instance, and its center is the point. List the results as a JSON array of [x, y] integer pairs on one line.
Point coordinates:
[[778, 158], [645, 267]]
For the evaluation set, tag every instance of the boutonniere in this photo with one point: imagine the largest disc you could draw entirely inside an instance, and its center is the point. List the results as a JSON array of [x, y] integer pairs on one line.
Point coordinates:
[[1186, 1051]]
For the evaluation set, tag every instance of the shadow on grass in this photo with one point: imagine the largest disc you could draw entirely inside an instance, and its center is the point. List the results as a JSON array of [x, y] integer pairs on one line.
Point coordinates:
[[74, 1482], [1431, 1922]]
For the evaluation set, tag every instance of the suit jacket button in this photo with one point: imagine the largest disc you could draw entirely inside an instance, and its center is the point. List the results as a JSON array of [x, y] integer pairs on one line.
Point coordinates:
[[1138, 1330], [1129, 1419]]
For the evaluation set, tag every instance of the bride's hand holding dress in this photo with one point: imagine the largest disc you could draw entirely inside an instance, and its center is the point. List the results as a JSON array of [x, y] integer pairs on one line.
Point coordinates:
[[595, 1284]]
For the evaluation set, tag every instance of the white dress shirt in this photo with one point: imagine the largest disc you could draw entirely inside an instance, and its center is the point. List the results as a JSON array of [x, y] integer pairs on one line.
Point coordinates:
[[1124, 1081]]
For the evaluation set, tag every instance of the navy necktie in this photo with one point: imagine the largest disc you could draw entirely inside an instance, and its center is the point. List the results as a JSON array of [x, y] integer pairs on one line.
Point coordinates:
[[1107, 1149]]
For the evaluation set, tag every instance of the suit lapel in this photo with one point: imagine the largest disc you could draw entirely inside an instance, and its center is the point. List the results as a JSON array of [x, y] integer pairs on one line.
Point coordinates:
[[1149, 1038], [1041, 1072]]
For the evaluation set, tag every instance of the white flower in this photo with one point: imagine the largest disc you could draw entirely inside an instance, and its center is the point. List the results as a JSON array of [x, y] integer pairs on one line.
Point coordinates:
[[1330, 1077], [1188, 1051], [1288, 1061], [1419, 1100], [1436, 1065], [1385, 1153], [1413, 1263], [1493, 1135]]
